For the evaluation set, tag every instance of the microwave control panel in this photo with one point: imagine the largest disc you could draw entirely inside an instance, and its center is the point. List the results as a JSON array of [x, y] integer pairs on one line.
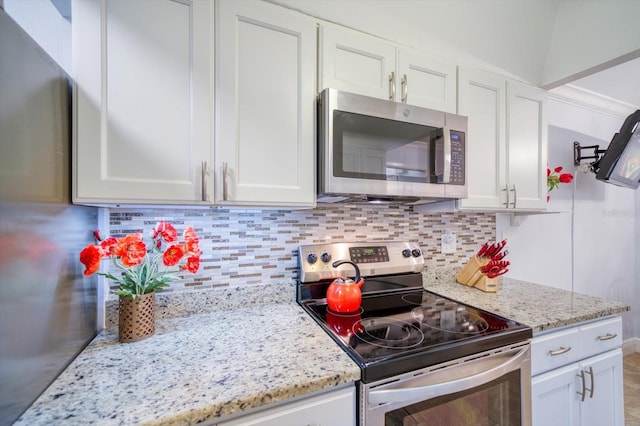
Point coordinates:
[[457, 176]]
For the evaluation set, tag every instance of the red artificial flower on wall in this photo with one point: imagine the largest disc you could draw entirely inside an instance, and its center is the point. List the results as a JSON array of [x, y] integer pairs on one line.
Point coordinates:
[[555, 178]]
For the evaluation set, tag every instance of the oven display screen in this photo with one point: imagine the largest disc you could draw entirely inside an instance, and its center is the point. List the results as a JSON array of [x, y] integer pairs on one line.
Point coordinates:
[[369, 254]]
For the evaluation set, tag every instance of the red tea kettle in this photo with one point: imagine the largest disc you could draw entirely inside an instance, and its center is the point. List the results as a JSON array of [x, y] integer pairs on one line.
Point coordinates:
[[344, 295]]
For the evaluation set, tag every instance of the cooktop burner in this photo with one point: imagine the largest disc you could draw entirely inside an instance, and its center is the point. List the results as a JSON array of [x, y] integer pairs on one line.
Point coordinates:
[[401, 327]]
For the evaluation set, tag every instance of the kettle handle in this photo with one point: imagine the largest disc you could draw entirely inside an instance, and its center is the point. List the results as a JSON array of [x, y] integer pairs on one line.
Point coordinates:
[[357, 279]]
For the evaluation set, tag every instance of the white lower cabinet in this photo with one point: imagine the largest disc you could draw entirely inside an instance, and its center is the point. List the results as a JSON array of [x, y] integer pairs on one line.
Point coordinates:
[[577, 376], [335, 408]]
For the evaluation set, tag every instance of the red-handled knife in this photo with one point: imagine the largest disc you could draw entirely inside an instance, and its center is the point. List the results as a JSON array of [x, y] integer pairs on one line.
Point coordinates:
[[483, 249]]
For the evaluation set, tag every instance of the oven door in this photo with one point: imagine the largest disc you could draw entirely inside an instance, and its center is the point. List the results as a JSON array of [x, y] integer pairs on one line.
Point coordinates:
[[490, 388]]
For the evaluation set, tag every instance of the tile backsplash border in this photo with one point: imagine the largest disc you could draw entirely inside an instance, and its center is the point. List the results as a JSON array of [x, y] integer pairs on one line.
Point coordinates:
[[243, 247]]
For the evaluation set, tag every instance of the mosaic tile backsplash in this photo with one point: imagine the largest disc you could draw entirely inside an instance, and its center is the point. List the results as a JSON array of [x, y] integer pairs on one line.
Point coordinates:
[[244, 247]]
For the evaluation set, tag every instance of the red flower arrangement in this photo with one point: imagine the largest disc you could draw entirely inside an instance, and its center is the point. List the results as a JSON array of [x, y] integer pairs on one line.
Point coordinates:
[[554, 180], [140, 267]]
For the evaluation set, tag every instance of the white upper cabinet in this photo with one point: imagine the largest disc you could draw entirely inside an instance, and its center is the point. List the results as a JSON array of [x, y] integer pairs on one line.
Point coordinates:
[[265, 105], [359, 63], [142, 118], [506, 142]]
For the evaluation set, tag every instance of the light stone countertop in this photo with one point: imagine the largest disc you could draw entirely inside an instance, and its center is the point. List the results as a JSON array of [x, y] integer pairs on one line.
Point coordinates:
[[197, 368], [207, 361], [540, 307]]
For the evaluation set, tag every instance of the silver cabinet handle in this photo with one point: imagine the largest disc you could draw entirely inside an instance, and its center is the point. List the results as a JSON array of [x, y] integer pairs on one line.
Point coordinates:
[[582, 394], [506, 189], [405, 88], [607, 336], [392, 86], [590, 373], [225, 182], [515, 196], [560, 351], [205, 181]]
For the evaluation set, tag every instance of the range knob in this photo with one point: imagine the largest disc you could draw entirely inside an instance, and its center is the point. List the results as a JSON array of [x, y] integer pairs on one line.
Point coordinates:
[[406, 253], [312, 258], [416, 253], [326, 257]]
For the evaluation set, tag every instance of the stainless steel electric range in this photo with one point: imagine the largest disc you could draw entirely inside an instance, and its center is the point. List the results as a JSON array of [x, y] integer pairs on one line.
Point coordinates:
[[420, 353]]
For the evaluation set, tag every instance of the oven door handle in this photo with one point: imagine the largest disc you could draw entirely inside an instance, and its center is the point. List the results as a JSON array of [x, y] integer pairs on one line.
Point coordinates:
[[385, 396]]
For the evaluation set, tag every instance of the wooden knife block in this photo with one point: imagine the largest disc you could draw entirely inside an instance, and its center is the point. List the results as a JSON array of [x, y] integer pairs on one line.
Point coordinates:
[[471, 275]]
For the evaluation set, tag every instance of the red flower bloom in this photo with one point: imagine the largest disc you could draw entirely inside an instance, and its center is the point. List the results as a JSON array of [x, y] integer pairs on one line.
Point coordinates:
[[131, 250], [90, 257], [191, 241], [548, 171], [108, 246], [193, 264], [565, 177], [166, 231], [558, 169], [172, 255]]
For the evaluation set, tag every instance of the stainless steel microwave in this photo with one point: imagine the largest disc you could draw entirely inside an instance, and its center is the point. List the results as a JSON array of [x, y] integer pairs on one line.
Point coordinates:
[[372, 149]]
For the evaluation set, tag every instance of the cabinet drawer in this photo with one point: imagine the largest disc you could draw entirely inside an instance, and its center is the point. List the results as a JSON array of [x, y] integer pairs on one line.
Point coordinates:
[[554, 350], [328, 409], [601, 336]]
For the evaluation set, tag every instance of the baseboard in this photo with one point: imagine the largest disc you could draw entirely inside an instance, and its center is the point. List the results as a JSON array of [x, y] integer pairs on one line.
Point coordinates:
[[630, 346]]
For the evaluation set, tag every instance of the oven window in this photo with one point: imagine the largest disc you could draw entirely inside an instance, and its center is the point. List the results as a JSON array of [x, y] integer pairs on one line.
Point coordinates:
[[496, 403], [366, 147]]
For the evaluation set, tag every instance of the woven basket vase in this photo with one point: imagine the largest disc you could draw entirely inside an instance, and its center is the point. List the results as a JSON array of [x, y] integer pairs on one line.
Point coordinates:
[[137, 317]]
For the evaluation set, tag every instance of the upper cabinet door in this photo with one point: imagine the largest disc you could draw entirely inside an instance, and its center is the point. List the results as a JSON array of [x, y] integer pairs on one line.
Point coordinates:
[[527, 145], [425, 81], [357, 63], [142, 101], [506, 142], [481, 97], [265, 105]]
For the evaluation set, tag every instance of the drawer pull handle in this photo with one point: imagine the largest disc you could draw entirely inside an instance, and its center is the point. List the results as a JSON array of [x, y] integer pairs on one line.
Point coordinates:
[[607, 336], [560, 351]]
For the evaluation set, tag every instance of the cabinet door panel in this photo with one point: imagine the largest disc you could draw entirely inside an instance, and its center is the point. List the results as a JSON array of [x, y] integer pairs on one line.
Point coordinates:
[[431, 83], [356, 63], [481, 97], [265, 105], [605, 406], [527, 145], [142, 92], [553, 397]]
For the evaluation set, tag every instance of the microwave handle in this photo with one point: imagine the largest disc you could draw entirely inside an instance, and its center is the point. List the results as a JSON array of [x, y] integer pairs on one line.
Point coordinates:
[[446, 152]]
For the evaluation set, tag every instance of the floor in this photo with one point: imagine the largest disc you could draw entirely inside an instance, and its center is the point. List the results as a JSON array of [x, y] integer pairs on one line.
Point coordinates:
[[631, 371]]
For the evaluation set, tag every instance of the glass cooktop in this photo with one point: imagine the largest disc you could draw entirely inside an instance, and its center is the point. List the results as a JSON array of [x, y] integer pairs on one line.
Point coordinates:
[[406, 330]]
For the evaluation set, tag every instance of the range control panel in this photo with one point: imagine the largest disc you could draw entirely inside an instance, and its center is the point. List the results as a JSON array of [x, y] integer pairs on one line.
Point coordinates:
[[373, 259]]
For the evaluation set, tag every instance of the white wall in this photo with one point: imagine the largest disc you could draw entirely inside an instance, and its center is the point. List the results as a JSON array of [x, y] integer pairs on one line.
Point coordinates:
[[42, 21], [596, 221], [591, 34]]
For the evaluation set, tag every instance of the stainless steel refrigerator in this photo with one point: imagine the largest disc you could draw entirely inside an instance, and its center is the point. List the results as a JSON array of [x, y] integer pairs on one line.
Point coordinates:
[[47, 308]]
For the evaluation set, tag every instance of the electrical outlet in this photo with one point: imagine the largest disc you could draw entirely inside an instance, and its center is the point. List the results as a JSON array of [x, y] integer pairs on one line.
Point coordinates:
[[448, 243]]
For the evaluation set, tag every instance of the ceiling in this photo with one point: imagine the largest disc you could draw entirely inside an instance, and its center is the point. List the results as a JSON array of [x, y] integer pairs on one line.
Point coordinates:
[[621, 82]]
